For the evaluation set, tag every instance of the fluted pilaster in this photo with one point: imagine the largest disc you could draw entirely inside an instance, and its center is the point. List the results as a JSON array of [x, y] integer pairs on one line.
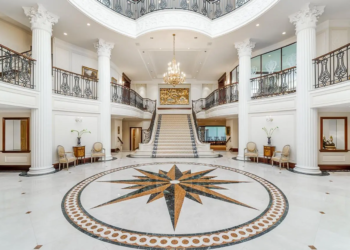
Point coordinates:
[[41, 119], [244, 52], [306, 136], [104, 92]]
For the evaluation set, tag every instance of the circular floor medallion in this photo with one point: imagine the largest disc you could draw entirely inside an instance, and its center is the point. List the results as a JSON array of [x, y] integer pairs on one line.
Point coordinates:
[[174, 204]]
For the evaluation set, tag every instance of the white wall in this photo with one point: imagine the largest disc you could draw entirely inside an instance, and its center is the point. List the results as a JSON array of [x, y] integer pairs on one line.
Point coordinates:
[[233, 124], [331, 35], [115, 142], [64, 122], [141, 89], [126, 131], [70, 57], [14, 37], [284, 135]]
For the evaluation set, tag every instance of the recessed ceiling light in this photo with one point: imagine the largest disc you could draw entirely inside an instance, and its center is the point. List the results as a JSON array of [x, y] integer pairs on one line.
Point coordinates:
[[195, 37], [257, 25], [284, 33], [160, 48], [151, 37], [88, 24], [188, 48], [65, 33]]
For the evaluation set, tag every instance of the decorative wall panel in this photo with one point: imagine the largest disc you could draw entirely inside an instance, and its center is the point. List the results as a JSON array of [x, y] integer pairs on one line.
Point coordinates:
[[174, 96]]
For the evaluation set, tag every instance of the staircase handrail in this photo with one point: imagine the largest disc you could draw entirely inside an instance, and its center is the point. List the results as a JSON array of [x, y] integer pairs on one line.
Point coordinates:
[[147, 133]]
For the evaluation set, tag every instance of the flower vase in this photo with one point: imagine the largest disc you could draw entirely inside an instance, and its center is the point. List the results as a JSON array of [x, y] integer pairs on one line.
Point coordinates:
[[268, 140], [78, 141]]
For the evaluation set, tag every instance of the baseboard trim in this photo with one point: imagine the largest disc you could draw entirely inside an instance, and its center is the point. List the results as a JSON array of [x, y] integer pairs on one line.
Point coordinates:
[[14, 167], [334, 167], [233, 149]]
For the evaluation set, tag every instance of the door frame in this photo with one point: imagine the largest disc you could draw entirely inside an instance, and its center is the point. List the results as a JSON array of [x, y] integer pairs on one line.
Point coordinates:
[[131, 135]]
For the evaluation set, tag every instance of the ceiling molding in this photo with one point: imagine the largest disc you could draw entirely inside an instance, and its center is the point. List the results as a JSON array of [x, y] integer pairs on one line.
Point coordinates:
[[173, 19]]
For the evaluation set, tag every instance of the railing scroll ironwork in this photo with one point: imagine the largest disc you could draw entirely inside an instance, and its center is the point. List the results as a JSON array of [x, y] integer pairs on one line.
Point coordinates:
[[138, 8], [15, 68], [71, 84], [333, 67], [278, 83]]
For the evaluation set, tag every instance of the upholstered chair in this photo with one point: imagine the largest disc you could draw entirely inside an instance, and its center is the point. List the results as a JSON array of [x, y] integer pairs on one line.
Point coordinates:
[[251, 151], [98, 151], [283, 157], [63, 158]]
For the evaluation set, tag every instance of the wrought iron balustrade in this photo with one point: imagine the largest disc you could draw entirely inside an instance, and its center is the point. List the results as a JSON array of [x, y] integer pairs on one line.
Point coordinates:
[[125, 95], [225, 95], [72, 84], [278, 83], [147, 133], [333, 67], [135, 9], [15, 68]]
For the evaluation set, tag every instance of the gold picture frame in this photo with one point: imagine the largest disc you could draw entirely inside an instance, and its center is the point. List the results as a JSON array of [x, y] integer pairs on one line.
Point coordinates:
[[174, 96], [228, 130], [89, 72], [113, 80]]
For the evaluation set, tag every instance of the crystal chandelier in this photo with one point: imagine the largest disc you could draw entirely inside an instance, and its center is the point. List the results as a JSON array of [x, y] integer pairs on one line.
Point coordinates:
[[174, 76]]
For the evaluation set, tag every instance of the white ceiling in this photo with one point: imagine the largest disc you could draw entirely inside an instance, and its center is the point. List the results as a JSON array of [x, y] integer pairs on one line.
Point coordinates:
[[220, 55]]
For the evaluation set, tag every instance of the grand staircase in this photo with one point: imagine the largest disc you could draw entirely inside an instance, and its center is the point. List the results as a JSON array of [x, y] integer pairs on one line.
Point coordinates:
[[174, 137]]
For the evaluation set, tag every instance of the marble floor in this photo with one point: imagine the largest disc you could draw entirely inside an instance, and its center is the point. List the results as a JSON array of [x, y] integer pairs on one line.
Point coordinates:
[[187, 203]]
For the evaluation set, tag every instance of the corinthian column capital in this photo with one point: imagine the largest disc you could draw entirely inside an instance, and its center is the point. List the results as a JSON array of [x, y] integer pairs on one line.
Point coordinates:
[[40, 18], [245, 47], [307, 17], [104, 48]]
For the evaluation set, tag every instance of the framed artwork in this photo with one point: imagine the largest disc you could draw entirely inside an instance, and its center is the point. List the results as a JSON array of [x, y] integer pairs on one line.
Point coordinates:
[[174, 96], [228, 130], [113, 80], [89, 72], [118, 130]]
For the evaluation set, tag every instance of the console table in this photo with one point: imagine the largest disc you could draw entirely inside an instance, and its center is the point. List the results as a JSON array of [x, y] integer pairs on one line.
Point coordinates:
[[79, 152], [268, 151]]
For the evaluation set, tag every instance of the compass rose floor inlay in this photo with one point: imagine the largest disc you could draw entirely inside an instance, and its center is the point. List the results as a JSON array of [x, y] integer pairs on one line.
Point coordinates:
[[175, 205]]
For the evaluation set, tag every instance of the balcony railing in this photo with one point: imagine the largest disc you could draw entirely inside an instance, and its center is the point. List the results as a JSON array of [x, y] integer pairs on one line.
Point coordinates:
[[278, 83], [125, 95], [71, 84], [209, 8], [332, 68], [15, 68], [225, 95]]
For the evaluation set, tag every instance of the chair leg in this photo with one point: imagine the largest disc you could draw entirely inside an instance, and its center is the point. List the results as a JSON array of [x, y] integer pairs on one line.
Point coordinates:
[[91, 159], [280, 165], [288, 165], [75, 163], [67, 166], [59, 166], [271, 163]]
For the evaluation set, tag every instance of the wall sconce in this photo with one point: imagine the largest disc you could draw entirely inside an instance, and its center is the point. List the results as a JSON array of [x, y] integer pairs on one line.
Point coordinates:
[[78, 119], [269, 118]]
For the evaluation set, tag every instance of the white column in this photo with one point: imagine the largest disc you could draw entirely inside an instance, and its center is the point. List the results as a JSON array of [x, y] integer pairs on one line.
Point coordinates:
[[306, 133], [41, 119], [104, 92], [244, 52]]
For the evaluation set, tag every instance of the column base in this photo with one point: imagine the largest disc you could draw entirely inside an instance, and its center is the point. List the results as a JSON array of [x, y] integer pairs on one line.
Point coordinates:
[[307, 170], [41, 171], [109, 157]]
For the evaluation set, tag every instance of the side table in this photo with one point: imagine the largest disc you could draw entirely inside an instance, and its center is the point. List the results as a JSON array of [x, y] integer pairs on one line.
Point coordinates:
[[79, 152], [268, 152]]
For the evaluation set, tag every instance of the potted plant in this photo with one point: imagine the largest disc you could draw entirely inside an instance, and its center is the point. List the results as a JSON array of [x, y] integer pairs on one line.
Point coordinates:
[[269, 134], [80, 133]]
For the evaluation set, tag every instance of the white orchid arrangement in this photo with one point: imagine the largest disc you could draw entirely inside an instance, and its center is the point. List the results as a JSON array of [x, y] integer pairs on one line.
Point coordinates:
[[80, 133], [269, 132]]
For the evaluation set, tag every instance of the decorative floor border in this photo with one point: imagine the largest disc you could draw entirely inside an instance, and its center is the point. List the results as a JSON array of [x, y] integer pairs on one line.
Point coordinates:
[[270, 218]]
